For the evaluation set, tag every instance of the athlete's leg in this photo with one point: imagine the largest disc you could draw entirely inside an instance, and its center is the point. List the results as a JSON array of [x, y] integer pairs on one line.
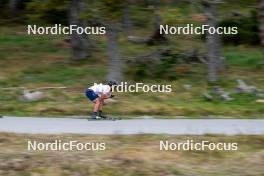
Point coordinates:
[[95, 108], [100, 112], [101, 105], [97, 105]]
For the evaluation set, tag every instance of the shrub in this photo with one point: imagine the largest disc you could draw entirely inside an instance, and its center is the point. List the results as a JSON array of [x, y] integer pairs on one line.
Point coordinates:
[[247, 29]]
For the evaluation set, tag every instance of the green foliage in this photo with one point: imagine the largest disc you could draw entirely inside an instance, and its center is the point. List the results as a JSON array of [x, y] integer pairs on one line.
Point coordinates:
[[113, 6], [170, 67], [3, 8], [247, 29], [104, 10], [48, 11], [140, 15], [8, 16]]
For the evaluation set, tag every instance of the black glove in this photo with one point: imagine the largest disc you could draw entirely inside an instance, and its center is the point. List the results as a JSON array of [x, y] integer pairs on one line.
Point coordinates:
[[111, 96]]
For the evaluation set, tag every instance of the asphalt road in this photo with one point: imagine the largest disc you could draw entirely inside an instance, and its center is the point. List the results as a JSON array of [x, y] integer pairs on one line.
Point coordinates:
[[41, 125]]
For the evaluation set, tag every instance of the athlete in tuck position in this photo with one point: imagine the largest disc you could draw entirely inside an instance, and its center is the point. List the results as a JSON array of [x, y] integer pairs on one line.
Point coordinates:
[[97, 94]]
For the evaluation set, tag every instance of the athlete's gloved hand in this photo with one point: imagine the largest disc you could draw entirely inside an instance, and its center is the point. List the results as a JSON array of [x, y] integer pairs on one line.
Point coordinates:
[[112, 96]]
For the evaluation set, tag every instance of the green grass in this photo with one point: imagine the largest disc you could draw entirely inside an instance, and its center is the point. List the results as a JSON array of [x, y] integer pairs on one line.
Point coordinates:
[[244, 56], [42, 61]]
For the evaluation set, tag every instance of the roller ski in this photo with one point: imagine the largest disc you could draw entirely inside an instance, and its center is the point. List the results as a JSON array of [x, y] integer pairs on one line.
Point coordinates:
[[99, 116]]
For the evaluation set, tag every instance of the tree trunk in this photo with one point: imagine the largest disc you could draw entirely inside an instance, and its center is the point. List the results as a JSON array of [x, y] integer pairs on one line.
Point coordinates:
[[115, 63], [221, 64], [80, 43], [261, 24], [193, 4], [157, 18], [127, 23], [156, 37], [13, 6], [213, 42]]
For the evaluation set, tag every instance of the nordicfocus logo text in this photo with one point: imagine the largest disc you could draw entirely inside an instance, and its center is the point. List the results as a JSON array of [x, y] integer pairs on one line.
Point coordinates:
[[199, 146], [59, 145], [58, 29], [190, 29], [141, 87]]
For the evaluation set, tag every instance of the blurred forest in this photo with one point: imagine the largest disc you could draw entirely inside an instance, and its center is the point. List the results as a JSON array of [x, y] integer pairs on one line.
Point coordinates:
[[220, 75]]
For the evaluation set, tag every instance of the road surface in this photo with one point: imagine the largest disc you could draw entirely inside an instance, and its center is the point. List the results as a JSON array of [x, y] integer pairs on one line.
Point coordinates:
[[33, 125]]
